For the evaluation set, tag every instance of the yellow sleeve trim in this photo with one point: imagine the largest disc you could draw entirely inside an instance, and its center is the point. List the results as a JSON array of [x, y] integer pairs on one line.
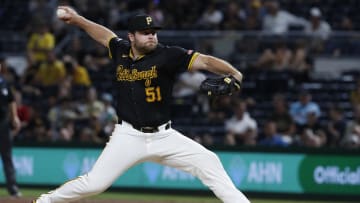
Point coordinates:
[[196, 54]]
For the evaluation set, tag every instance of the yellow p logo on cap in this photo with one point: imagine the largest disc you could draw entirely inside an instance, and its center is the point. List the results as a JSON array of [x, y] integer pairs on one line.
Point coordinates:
[[148, 20]]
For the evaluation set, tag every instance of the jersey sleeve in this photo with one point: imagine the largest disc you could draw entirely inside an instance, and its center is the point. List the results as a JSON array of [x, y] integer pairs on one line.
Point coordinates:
[[117, 46], [180, 59]]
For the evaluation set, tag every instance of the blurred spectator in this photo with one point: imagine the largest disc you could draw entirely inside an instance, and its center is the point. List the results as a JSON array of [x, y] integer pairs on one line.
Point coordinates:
[[336, 126], [40, 43], [9, 73], [93, 10], [66, 131], [92, 106], [23, 110], [220, 109], [277, 59], [51, 72], [91, 111], [28, 81], [41, 10], [301, 63], [300, 109], [75, 48], [97, 58], [278, 21], [346, 24], [234, 17], [244, 52], [352, 133], [254, 15], [64, 90], [38, 129], [206, 46], [207, 140], [230, 141], [349, 43], [196, 138], [211, 18], [270, 136], [118, 15], [280, 116], [183, 18], [60, 116], [108, 117], [155, 12], [23, 88], [312, 134], [188, 83], [87, 135], [355, 94], [317, 28], [77, 73], [241, 126], [351, 142]]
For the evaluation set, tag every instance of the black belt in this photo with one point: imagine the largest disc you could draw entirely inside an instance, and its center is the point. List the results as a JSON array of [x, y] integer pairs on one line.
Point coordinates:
[[148, 129]]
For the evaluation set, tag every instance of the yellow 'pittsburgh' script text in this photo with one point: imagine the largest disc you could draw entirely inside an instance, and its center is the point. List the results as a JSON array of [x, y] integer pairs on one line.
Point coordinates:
[[124, 74]]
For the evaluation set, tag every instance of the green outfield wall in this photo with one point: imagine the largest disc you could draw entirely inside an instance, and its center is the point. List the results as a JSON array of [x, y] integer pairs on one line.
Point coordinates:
[[276, 172]]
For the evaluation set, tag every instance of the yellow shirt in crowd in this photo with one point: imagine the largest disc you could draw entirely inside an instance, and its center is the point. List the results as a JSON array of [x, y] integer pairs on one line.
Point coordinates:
[[51, 73], [81, 76], [44, 42]]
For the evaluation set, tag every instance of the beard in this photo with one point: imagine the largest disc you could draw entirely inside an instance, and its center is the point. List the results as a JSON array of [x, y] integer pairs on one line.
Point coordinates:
[[146, 47]]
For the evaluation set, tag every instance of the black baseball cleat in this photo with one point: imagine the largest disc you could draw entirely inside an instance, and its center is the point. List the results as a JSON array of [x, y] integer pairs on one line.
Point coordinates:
[[14, 192], [16, 195]]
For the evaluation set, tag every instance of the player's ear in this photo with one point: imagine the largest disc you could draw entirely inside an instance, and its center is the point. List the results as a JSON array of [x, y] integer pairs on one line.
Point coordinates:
[[131, 36]]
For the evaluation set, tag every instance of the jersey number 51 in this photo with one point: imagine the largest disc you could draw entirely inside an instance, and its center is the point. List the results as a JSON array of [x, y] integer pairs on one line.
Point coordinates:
[[153, 94]]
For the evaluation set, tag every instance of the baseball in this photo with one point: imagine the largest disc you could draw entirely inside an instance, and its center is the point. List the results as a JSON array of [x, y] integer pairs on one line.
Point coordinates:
[[60, 13]]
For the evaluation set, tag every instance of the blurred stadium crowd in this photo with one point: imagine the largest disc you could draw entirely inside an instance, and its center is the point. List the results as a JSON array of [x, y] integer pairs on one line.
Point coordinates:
[[65, 92]]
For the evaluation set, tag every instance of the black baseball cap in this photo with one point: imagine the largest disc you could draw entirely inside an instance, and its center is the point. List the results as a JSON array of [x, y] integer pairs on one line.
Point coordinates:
[[142, 22]]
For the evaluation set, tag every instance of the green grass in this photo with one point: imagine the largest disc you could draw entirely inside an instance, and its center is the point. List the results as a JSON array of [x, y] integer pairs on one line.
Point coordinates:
[[136, 196]]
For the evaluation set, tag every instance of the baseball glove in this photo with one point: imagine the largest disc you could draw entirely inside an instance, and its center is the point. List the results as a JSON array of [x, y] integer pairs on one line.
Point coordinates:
[[220, 86]]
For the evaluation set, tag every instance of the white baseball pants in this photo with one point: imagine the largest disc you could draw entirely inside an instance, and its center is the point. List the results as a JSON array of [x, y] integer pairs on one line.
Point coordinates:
[[128, 147]]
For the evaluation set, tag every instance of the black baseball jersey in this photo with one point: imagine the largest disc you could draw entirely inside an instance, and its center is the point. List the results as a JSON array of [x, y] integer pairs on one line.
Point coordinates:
[[144, 86], [6, 97]]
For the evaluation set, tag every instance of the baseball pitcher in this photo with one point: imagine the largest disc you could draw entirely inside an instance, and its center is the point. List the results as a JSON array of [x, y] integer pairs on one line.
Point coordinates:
[[144, 71]]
